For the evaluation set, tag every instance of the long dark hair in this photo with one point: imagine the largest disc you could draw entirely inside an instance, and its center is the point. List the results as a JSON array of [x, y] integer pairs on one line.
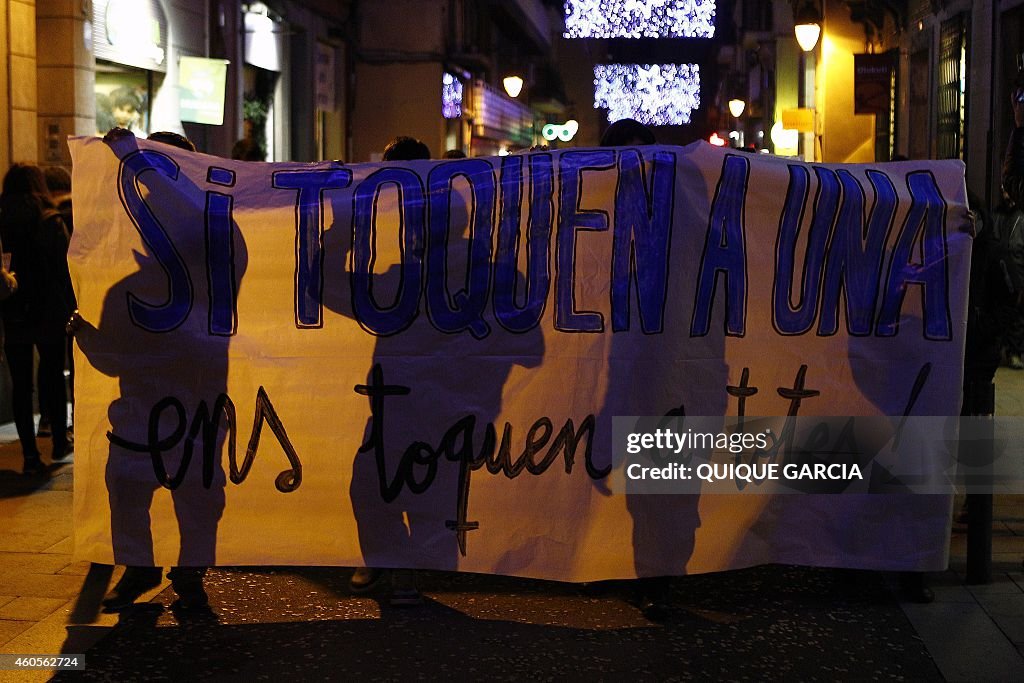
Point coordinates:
[[24, 186], [23, 202], [24, 179]]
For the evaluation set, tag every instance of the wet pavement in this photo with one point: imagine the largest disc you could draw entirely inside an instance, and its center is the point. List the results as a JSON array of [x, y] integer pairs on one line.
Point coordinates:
[[773, 622]]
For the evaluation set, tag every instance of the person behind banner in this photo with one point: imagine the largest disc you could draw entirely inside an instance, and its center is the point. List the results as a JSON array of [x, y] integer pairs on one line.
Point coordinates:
[[671, 543], [423, 526], [248, 149], [403, 583], [626, 133], [135, 355], [36, 238], [405, 148]]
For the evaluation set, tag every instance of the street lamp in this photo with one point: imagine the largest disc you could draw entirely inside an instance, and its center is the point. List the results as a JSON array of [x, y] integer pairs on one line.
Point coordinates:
[[513, 85], [736, 107], [807, 26]]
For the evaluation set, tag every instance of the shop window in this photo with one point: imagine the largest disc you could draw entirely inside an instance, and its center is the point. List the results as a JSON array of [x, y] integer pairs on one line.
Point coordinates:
[[258, 108], [885, 120], [952, 102], [123, 98], [919, 140]]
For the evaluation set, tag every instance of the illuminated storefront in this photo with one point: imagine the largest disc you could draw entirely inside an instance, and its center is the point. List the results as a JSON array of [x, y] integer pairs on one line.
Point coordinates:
[[130, 42], [501, 125], [265, 86]]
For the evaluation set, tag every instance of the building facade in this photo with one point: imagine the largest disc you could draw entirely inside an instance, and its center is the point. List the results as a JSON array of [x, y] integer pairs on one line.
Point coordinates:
[[216, 70], [923, 79], [306, 79], [434, 70]]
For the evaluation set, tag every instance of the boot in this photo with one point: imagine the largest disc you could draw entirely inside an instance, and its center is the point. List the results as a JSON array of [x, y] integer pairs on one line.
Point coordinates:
[[187, 582], [134, 582], [914, 588], [404, 592], [364, 579], [33, 466]]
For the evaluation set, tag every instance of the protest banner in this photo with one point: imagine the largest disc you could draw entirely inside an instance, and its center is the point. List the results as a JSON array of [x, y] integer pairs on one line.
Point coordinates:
[[417, 364]]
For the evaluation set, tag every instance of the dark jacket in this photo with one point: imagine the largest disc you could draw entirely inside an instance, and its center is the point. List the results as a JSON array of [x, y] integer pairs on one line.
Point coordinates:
[[64, 207], [1013, 167], [37, 239]]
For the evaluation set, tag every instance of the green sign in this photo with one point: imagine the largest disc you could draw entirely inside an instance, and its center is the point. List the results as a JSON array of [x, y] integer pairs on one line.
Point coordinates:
[[201, 89]]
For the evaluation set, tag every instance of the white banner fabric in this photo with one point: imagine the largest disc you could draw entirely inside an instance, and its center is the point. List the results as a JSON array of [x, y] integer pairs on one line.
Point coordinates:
[[416, 364]]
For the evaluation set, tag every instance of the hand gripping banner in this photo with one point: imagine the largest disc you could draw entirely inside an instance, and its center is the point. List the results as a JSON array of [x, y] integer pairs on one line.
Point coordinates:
[[416, 364]]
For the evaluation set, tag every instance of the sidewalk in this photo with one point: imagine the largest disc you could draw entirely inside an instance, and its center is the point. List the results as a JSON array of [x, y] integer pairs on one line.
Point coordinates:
[[49, 605], [40, 586]]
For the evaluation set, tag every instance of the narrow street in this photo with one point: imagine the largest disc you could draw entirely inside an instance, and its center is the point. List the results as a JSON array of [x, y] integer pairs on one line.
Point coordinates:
[[293, 623]]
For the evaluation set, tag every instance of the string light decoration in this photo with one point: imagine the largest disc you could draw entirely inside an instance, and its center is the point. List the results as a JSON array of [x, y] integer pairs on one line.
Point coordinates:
[[451, 96], [639, 19], [653, 94]]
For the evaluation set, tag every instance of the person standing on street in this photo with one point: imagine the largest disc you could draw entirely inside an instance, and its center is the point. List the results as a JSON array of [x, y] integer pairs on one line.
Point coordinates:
[[35, 236]]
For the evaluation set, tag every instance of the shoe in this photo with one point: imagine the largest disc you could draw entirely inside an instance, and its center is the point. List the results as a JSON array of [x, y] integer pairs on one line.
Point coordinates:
[[914, 588], [134, 582], [654, 610], [1016, 362], [193, 614], [364, 578], [44, 426], [63, 453], [33, 466], [191, 595], [655, 595], [403, 589]]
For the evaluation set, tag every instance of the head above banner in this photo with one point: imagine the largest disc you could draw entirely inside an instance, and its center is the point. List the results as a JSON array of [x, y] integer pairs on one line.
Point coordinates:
[[174, 139]]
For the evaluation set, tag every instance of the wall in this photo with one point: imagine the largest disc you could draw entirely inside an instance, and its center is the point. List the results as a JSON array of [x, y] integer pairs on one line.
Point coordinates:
[[787, 82], [845, 136], [396, 99], [21, 70], [5, 102], [403, 29], [576, 59], [67, 103], [314, 31]]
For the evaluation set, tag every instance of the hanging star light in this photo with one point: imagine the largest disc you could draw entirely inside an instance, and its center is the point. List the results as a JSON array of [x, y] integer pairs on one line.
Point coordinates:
[[451, 96], [639, 19], [653, 94]]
